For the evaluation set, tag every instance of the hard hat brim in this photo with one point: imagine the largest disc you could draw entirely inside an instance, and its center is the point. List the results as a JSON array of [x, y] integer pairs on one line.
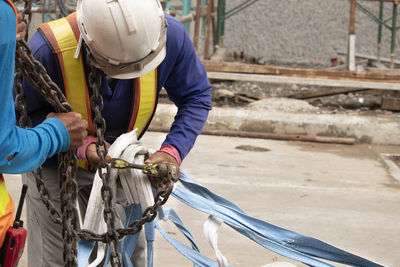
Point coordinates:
[[117, 73]]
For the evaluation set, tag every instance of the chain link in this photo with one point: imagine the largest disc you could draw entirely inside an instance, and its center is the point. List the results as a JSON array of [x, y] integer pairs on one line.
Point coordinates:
[[103, 169], [67, 170], [37, 76]]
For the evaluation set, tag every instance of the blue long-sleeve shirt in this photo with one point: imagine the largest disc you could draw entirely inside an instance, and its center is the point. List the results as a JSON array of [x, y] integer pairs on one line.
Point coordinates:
[[181, 74], [30, 147]]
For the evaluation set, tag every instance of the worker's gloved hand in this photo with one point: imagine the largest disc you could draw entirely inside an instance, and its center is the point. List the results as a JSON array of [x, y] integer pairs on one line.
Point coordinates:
[[92, 156], [76, 127], [162, 157], [21, 28]]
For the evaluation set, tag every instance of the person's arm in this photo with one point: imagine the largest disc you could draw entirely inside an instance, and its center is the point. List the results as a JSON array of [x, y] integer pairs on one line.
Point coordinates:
[[21, 28], [187, 86], [23, 150], [185, 79]]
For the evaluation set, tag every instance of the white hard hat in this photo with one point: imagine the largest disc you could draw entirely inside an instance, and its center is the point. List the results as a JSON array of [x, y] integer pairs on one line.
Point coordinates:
[[125, 37]]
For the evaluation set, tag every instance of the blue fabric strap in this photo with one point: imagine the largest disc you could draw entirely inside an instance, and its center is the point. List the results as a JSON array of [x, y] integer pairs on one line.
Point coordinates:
[[84, 250], [282, 241], [150, 236], [169, 214], [209, 208], [189, 253], [134, 212]]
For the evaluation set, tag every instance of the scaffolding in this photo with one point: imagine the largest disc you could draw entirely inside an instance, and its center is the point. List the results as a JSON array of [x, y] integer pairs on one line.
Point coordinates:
[[381, 21], [222, 14]]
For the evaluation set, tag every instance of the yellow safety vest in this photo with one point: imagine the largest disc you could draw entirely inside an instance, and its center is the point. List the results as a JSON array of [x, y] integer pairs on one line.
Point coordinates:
[[6, 210], [63, 36]]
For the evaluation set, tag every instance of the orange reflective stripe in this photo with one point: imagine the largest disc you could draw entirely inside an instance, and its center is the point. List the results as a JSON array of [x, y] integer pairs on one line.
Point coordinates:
[[63, 35], [144, 102], [6, 210], [74, 25]]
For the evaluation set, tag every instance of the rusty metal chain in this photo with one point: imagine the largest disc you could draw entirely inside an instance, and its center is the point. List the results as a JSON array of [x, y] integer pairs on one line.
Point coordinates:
[[20, 101], [25, 63], [37, 76], [27, 12], [103, 169], [148, 215], [67, 169]]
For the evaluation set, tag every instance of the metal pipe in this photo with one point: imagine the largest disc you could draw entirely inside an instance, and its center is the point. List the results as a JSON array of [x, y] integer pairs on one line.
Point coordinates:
[[239, 8], [213, 25], [378, 52], [210, 4], [203, 21], [352, 37], [187, 5], [394, 30], [220, 22], [197, 24], [352, 16], [373, 17]]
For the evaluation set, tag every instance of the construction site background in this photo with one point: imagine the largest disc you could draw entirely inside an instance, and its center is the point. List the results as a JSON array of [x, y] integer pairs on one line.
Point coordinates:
[[295, 32], [288, 32]]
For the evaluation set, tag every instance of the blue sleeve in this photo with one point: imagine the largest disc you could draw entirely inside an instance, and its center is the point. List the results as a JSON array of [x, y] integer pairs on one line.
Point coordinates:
[[30, 147], [185, 79]]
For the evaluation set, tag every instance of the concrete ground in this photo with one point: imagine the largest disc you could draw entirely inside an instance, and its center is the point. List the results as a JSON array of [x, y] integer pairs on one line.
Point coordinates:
[[341, 194]]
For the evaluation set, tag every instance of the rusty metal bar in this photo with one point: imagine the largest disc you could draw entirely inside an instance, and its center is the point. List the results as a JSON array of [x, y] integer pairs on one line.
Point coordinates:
[[351, 59], [286, 79], [234, 67], [210, 4], [197, 24]]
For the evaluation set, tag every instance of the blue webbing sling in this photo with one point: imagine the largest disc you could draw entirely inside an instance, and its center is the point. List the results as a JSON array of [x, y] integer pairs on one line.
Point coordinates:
[[287, 243]]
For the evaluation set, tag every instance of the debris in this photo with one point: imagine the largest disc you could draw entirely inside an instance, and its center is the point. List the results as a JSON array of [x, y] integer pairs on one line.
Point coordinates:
[[391, 103], [283, 104], [252, 148]]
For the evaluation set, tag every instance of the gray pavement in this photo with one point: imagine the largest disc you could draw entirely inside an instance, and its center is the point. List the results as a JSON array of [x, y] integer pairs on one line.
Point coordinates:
[[341, 194]]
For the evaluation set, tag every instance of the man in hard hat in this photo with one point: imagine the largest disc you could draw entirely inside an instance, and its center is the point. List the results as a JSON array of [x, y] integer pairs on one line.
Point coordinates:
[[24, 150], [138, 50]]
